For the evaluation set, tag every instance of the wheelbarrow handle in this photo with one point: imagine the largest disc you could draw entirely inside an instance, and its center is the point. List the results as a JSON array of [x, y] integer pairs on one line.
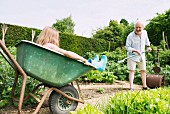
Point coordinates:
[[20, 70]]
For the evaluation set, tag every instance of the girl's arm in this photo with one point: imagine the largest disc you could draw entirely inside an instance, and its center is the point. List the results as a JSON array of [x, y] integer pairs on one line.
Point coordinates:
[[69, 54]]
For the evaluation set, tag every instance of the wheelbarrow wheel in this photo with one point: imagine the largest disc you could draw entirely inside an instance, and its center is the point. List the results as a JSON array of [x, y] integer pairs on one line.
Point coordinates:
[[59, 104]]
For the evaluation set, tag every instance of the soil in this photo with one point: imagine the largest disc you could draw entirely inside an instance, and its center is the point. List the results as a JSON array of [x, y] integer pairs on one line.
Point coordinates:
[[89, 94]]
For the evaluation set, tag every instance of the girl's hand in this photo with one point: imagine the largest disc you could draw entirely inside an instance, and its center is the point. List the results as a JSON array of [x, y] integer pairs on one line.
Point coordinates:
[[87, 63]]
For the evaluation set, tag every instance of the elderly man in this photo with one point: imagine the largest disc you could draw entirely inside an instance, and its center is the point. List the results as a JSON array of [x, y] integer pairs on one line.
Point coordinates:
[[135, 45]]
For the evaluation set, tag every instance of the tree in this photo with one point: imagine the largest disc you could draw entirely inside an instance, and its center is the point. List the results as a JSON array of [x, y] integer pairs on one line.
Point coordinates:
[[113, 33], [65, 25], [124, 22], [157, 26], [109, 32]]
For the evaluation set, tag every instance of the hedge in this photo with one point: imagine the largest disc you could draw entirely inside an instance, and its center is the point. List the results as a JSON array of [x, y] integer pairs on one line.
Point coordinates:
[[78, 44]]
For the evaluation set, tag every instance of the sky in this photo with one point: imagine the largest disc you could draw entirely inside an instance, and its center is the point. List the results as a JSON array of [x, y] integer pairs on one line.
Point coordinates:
[[88, 15]]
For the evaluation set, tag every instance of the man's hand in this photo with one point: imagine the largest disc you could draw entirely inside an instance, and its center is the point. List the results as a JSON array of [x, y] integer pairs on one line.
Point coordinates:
[[149, 49], [136, 51]]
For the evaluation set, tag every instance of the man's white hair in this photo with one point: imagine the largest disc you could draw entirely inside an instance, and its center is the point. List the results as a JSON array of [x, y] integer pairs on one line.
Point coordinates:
[[139, 21]]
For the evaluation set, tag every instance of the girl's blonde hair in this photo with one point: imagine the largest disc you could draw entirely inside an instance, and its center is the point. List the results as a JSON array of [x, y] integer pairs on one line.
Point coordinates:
[[48, 35]]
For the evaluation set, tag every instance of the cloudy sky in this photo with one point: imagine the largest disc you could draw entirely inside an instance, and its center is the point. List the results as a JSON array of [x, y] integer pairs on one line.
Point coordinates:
[[88, 15]]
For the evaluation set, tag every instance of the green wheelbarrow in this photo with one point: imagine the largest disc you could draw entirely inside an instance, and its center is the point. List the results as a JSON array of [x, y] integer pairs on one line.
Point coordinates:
[[54, 70]]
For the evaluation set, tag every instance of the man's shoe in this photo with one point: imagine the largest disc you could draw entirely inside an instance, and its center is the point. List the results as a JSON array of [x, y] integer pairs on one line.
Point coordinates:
[[145, 88]]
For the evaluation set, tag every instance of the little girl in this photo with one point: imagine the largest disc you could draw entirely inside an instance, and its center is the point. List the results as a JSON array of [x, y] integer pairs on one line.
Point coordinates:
[[49, 38]]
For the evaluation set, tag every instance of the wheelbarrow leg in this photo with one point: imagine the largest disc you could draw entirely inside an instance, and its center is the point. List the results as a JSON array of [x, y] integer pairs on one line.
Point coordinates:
[[14, 86], [79, 90], [78, 87], [42, 100], [22, 95]]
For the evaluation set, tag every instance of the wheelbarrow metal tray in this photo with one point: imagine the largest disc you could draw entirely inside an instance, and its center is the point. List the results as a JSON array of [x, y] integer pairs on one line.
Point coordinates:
[[47, 66]]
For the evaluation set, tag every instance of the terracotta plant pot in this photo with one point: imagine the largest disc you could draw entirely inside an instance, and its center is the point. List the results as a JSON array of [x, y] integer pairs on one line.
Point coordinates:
[[154, 80]]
